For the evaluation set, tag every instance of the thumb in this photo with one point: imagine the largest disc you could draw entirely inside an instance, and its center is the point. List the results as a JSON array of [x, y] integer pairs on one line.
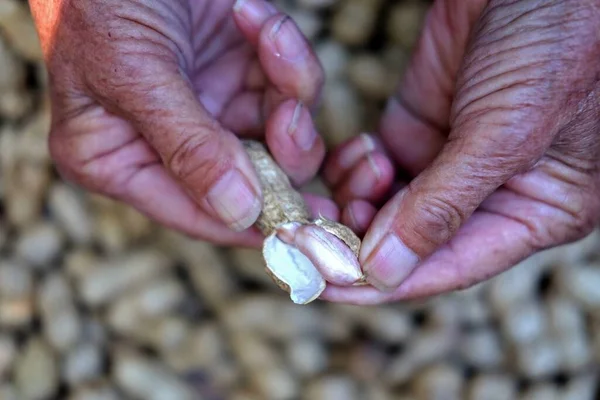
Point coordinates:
[[503, 120], [426, 213], [208, 161]]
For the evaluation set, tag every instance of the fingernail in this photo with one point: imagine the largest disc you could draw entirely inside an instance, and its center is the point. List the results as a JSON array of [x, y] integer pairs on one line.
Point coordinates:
[[373, 165], [356, 151], [235, 201], [390, 264], [288, 40], [362, 185], [254, 11], [352, 217], [304, 138]]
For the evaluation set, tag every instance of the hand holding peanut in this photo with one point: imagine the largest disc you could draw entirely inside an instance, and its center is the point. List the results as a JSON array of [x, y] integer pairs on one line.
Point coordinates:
[[302, 254], [147, 96], [497, 123]]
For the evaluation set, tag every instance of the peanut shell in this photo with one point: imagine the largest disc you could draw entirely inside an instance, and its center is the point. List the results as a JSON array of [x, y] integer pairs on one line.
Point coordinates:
[[283, 207]]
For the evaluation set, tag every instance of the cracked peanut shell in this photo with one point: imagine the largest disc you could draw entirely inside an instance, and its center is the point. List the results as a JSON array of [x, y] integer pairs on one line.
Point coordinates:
[[284, 209]]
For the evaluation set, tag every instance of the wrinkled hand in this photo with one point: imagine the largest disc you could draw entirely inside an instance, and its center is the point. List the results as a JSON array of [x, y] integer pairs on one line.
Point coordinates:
[[146, 95], [498, 121]]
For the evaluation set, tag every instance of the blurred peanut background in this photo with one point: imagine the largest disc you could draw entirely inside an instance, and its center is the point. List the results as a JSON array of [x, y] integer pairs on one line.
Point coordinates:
[[97, 303]]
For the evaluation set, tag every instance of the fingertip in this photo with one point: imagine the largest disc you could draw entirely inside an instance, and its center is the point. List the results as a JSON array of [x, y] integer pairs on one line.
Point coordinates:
[[289, 61], [251, 15], [235, 200], [347, 155], [390, 263], [294, 141], [301, 129], [360, 146], [383, 173], [371, 180], [234, 193], [322, 207]]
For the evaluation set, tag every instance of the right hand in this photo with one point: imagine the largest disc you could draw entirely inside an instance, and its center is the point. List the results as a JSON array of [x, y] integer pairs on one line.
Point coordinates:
[[146, 96]]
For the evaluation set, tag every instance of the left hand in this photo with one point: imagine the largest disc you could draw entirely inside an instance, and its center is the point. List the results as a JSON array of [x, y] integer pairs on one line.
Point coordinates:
[[502, 136]]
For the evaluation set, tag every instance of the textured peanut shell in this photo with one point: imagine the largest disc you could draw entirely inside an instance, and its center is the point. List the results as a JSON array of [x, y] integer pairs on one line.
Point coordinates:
[[282, 204]]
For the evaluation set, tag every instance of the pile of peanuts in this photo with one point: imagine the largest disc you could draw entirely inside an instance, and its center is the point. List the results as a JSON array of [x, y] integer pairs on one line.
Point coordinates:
[[99, 303]]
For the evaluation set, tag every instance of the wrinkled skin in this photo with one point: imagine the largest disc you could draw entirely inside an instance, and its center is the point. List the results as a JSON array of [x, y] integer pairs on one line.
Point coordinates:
[[149, 96], [497, 121]]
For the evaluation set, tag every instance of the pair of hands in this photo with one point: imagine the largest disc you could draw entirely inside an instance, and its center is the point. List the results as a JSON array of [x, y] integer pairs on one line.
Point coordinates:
[[496, 123]]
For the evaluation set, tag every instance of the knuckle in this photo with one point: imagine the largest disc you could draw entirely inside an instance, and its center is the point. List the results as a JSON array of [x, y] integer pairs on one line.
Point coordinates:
[[438, 219], [197, 156]]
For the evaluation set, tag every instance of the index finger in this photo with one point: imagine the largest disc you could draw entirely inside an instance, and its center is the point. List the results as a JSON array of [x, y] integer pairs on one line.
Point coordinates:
[[285, 54]]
